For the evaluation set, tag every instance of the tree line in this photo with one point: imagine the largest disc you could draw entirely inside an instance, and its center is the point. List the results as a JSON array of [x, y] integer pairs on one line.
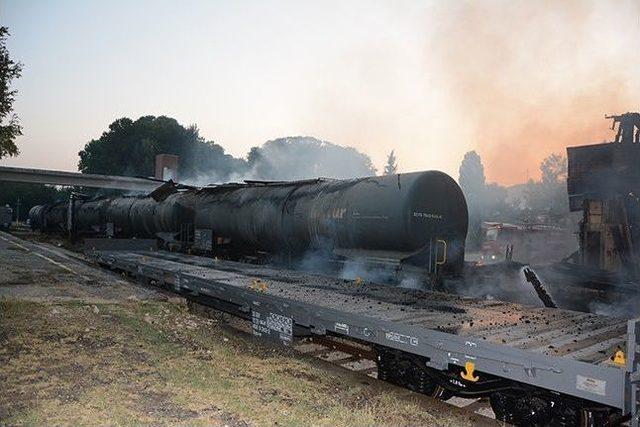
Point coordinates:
[[128, 147], [534, 202]]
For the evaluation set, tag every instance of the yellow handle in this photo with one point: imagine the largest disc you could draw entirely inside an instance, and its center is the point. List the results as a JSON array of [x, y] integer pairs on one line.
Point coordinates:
[[619, 359], [467, 374]]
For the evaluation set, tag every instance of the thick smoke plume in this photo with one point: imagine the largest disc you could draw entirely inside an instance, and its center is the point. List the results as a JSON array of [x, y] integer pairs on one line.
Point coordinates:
[[307, 157], [531, 77], [286, 159]]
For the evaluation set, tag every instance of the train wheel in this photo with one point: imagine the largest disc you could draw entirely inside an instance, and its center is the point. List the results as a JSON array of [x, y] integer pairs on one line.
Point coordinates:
[[593, 417], [533, 411], [393, 367], [503, 405], [521, 410], [566, 415], [540, 410]]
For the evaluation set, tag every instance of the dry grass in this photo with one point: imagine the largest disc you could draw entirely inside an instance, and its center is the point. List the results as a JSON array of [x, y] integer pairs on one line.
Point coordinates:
[[96, 352], [154, 362]]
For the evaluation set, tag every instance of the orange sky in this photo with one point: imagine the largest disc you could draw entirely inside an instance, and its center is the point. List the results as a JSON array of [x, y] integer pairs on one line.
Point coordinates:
[[533, 77]]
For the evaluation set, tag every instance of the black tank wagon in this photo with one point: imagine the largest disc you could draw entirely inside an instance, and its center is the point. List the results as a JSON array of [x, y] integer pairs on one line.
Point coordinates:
[[90, 216], [416, 218], [50, 217]]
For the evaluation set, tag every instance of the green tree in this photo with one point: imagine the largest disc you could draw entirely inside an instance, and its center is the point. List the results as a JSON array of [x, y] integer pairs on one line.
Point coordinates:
[[472, 173], [548, 197], [495, 205], [260, 167], [129, 147], [9, 124], [391, 168], [28, 195], [553, 169], [473, 184]]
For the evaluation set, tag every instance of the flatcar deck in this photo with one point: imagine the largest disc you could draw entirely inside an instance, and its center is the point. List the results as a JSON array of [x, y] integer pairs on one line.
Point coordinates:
[[565, 351], [582, 336]]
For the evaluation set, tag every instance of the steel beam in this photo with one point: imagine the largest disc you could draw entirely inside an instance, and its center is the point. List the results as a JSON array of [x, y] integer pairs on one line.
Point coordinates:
[[76, 179]]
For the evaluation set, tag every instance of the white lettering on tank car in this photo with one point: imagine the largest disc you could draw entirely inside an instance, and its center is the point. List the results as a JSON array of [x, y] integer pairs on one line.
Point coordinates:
[[427, 215]]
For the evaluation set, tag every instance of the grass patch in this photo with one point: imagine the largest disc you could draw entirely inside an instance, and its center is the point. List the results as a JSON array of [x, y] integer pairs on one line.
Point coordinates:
[[14, 310], [156, 363]]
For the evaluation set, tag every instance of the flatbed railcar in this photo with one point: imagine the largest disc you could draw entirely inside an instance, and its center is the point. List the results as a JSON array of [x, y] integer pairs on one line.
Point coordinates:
[[538, 366]]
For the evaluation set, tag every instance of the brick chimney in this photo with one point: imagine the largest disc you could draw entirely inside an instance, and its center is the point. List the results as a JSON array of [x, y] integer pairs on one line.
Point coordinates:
[[167, 167]]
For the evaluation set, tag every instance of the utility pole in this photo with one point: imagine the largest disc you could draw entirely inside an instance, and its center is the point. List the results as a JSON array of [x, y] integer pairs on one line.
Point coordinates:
[[18, 211]]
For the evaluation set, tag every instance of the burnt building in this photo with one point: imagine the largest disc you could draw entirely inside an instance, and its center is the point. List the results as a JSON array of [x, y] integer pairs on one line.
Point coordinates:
[[604, 183]]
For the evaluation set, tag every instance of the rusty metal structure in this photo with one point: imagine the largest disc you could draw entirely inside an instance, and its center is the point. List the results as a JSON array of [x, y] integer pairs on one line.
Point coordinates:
[[604, 183], [628, 127]]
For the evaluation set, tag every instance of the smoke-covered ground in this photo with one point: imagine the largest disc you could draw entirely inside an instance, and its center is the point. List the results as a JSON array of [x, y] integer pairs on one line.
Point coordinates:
[[361, 270], [582, 288], [623, 305]]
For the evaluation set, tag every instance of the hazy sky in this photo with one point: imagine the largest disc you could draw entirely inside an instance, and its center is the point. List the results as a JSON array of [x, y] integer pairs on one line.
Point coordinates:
[[514, 80]]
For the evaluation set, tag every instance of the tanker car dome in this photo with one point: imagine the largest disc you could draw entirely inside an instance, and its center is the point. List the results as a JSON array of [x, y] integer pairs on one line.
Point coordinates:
[[396, 214], [437, 222], [436, 208]]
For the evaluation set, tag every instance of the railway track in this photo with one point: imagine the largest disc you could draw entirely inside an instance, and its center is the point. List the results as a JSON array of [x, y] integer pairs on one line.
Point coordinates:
[[348, 354], [362, 359]]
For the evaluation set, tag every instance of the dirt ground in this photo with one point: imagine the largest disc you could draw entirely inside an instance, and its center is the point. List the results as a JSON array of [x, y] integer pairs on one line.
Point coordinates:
[[80, 345]]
